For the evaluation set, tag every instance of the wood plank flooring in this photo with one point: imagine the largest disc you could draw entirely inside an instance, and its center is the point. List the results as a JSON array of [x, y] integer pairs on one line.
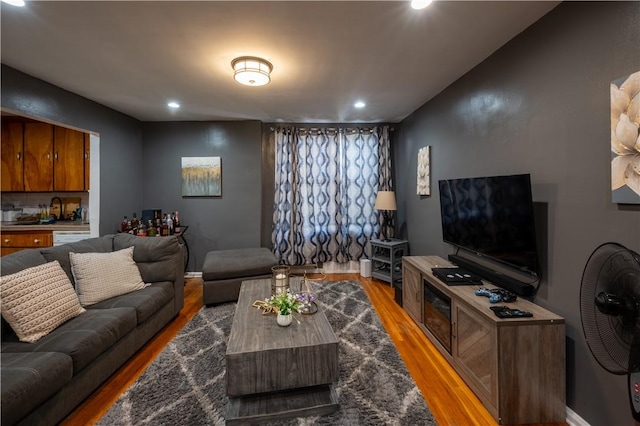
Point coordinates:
[[449, 399]]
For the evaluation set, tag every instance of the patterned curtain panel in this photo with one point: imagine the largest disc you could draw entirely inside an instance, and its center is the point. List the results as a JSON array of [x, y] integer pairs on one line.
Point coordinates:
[[325, 187]]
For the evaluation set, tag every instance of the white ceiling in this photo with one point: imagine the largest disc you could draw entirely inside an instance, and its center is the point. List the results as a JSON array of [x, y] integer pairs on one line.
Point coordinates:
[[136, 56]]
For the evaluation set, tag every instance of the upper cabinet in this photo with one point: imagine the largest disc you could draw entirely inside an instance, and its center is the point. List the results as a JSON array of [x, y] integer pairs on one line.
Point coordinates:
[[41, 157], [38, 157], [68, 164], [12, 157], [87, 159]]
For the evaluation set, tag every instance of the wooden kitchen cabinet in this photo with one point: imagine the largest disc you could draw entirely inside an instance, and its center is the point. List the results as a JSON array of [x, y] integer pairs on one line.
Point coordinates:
[[12, 157], [69, 160], [41, 157], [13, 241], [38, 157], [87, 160]]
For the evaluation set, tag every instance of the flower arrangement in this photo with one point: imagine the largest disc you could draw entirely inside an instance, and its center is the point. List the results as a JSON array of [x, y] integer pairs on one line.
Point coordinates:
[[284, 303]]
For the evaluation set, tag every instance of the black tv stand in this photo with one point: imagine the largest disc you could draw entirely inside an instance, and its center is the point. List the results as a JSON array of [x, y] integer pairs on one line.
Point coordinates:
[[504, 281]]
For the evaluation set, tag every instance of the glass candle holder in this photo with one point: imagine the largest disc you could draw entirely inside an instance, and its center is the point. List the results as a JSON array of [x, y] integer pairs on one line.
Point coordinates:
[[279, 279]]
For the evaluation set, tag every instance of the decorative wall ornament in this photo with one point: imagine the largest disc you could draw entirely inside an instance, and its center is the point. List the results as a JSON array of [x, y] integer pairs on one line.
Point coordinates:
[[201, 177], [625, 139], [424, 174]]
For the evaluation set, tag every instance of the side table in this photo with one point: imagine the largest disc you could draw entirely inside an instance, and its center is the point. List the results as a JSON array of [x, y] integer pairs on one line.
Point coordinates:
[[386, 258]]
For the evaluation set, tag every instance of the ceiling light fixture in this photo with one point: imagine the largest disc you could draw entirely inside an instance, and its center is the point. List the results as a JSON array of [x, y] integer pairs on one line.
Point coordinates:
[[359, 104], [251, 71], [19, 3], [420, 4], [173, 105]]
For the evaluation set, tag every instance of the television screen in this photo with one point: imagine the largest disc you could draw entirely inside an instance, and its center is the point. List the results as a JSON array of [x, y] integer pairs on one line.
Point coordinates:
[[492, 217]]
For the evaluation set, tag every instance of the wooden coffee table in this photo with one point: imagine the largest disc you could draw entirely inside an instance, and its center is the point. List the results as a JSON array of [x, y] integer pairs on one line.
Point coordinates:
[[274, 372]]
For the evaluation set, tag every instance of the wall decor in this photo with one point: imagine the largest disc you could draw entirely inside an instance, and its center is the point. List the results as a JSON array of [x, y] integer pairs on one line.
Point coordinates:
[[201, 177], [424, 174], [625, 139]]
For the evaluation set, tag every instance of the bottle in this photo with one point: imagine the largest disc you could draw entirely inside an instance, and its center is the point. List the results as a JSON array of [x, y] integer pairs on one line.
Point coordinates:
[[169, 224], [134, 221], [176, 224], [142, 230], [124, 225], [151, 229]]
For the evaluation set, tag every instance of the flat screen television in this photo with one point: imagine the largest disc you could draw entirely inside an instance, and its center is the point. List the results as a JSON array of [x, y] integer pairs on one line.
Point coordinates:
[[491, 217]]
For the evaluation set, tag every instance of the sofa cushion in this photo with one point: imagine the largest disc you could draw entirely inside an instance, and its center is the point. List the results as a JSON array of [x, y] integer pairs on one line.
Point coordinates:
[[156, 257], [29, 379], [101, 276], [247, 262], [146, 302], [83, 338], [36, 300], [90, 245]]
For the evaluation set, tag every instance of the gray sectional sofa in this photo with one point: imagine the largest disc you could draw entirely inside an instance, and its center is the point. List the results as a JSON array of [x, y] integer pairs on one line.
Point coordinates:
[[42, 382]]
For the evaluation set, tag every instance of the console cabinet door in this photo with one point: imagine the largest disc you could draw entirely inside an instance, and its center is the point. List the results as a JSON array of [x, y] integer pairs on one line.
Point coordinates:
[[68, 169], [412, 293], [475, 353], [12, 157], [38, 157]]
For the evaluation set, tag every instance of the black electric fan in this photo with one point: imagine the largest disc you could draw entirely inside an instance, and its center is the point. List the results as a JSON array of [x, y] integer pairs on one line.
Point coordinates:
[[610, 311]]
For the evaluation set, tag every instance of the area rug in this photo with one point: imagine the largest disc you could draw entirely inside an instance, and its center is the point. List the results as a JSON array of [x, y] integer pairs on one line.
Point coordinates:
[[185, 384]]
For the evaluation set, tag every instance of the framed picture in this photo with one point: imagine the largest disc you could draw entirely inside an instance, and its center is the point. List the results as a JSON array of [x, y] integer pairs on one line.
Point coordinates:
[[424, 174], [625, 139], [201, 177]]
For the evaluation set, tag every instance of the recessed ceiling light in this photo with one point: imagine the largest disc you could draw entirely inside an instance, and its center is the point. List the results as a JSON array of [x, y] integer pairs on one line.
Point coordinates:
[[420, 4], [359, 104], [173, 105], [14, 2]]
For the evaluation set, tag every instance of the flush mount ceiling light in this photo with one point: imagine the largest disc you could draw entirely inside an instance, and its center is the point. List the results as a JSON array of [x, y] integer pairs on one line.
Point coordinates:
[[420, 4], [173, 105], [359, 104], [251, 71], [18, 3]]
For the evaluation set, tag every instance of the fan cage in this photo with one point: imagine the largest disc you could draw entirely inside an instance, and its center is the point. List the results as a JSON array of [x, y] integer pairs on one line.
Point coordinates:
[[612, 268]]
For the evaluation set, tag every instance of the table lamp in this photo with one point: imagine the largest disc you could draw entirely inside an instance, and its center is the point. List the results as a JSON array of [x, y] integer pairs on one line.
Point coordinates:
[[385, 201]]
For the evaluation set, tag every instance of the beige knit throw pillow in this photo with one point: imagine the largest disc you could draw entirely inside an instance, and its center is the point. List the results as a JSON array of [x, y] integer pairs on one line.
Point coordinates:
[[101, 276], [36, 300]]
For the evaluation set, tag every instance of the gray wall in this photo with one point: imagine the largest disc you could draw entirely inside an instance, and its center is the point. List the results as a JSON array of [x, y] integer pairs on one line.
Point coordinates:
[[215, 223], [120, 138], [540, 105]]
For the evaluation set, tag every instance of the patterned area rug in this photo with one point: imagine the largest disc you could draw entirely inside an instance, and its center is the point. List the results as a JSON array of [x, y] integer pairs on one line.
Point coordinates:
[[185, 385]]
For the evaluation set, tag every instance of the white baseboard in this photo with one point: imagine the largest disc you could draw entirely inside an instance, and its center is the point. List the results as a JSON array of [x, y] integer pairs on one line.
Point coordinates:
[[573, 419], [193, 274]]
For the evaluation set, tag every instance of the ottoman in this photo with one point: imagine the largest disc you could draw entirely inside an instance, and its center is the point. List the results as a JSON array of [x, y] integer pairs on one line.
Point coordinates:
[[224, 270]]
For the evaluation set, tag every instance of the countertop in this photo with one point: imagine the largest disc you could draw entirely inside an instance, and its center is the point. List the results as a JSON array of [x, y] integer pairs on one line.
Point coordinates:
[[64, 226]]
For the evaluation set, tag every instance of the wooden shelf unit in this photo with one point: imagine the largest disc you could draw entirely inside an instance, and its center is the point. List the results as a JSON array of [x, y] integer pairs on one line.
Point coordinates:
[[515, 366]]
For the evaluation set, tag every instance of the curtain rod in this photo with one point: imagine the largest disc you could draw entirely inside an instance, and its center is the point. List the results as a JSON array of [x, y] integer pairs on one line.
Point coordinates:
[[329, 129]]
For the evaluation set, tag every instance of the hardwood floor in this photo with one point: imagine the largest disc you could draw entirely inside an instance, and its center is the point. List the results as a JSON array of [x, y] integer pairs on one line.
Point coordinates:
[[448, 398]]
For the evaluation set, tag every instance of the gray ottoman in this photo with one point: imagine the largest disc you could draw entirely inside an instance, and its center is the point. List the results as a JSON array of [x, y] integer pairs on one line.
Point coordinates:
[[224, 270]]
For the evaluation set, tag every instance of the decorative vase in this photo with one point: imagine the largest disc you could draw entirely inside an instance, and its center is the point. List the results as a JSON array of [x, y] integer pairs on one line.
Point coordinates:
[[284, 320]]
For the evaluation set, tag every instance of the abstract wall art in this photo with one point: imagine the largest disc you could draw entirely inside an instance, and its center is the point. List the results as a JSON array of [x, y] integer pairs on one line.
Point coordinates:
[[201, 177]]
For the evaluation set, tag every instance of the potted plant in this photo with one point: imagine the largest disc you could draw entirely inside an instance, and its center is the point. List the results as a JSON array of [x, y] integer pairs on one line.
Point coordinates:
[[284, 304]]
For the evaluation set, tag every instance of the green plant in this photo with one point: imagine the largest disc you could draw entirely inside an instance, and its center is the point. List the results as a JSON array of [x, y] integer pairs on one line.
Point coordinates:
[[284, 303]]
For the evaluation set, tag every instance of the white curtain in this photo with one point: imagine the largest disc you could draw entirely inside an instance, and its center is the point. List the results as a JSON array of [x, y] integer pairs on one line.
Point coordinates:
[[326, 181]]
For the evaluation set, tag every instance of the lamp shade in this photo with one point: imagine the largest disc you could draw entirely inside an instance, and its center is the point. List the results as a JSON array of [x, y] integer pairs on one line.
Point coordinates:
[[252, 71], [385, 200]]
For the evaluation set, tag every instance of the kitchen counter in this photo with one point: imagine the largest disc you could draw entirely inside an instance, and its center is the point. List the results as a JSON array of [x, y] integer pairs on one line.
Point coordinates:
[[61, 226]]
